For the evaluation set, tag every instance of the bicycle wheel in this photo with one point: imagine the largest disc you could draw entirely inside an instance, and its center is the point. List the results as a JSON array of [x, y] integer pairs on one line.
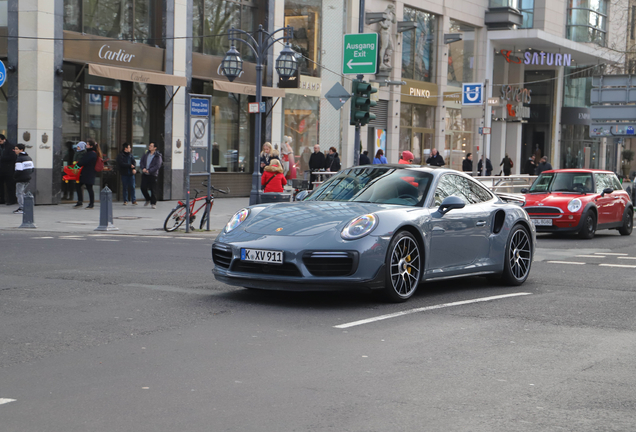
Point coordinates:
[[175, 219], [206, 215]]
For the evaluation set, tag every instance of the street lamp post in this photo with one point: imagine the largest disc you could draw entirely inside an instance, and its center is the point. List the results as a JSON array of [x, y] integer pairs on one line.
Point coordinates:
[[286, 66]]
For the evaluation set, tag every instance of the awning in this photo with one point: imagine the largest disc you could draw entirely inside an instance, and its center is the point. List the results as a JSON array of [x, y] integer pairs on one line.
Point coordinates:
[[135, 75], [248, 89]]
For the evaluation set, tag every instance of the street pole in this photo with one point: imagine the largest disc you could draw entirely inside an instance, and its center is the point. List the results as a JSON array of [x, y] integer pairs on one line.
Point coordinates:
[[188, 161], [255, 194], [356, 137]]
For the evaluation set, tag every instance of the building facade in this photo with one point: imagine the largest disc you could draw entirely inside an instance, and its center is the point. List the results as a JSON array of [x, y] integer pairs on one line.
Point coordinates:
[[120, 70]]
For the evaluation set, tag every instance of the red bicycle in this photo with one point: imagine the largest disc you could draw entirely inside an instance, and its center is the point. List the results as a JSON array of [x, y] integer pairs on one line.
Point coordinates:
[[178, 214]]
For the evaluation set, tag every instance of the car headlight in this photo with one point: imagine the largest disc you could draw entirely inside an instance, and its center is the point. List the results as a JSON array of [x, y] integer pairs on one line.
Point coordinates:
[[359, 227], [574, 205], [237, 219]]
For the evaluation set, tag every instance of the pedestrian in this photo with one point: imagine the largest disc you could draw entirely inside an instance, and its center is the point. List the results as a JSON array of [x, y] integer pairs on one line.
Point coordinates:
[[88, 173], [332, 162], [7, 171], [507, 165], [317, 159], [467, 164], [267, 154], [150, 164], [364, 158], [407, 158], [530, 167], [273, 178], [379, 158], [23, 172], [544, 165], [480, 166], [127, 170], [435, 159]]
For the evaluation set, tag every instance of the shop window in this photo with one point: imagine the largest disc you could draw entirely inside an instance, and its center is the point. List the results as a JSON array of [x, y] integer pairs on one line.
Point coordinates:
[[461, 55], [417, 123], [301, 116], [213, 19], [140, 114], [418, 46], [459, 138], [577, 86], [587, 21], [304, 17], [134, 20]]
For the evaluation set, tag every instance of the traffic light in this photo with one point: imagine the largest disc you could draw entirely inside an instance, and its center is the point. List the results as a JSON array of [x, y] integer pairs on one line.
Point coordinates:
[[361, 103]]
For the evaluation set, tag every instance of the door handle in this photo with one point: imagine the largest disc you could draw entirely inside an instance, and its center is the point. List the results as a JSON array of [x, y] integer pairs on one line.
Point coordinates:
[[480, 223], [438, 229]]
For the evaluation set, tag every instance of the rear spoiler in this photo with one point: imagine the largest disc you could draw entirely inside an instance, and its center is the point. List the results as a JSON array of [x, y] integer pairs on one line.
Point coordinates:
[[512, 198]]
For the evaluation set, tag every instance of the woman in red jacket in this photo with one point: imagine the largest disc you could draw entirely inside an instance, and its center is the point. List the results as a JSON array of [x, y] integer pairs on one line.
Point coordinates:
[[273, 178]]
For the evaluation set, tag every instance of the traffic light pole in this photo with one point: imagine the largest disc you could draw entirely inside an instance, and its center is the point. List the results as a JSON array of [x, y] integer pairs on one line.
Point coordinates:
[[356, 139]]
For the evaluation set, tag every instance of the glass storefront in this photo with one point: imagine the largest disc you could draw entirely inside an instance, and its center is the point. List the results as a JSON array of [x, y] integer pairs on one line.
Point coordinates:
[[418, 46], [417, 130], [304, 17], [301, 117], [212, 20], [136, 20], [537, 131], [459, 138]]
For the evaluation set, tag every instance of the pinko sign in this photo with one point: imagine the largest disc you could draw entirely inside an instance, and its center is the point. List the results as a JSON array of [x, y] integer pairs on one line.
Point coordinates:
[[539, 58]]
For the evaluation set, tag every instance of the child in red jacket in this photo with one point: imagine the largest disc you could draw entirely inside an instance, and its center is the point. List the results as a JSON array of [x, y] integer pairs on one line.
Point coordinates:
[[273, 178]]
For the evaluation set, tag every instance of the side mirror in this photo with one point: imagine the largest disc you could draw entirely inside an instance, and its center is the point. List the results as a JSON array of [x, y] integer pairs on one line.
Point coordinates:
[[525, 190], [450, 203], [607, 190], [302, 195]]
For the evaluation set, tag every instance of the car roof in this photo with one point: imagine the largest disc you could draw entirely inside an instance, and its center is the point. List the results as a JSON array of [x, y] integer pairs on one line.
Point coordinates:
[[579, 170]]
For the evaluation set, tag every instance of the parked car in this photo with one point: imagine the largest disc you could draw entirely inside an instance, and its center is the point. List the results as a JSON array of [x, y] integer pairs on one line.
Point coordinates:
[[381, 227], [579, 201]]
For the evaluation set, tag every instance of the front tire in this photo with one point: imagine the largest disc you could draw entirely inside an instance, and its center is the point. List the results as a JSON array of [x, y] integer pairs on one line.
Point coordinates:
[[628, 223], [518, 256], [589, 226], [175, 219], [403, 267]]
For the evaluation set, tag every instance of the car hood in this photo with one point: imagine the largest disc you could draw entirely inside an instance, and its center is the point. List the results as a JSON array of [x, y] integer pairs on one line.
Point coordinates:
[[554, 199], [308, 218]]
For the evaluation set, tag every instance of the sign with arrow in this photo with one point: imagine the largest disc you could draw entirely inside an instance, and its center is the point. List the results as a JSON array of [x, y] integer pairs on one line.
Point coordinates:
[[360, 53], [337, 96]]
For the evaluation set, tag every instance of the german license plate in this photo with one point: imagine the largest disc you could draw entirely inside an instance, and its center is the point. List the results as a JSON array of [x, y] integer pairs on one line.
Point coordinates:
[[542, 222], [264, 256]]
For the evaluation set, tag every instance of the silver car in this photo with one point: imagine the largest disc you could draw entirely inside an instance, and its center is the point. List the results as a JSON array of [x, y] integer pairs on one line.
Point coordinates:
[[381, 227]]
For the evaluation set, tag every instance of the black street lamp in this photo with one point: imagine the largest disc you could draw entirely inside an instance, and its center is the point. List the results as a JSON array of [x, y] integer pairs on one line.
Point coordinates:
[[286, 66]]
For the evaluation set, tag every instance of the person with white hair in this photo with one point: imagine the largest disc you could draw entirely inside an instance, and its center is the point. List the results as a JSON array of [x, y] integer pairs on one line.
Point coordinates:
[[289, 161]]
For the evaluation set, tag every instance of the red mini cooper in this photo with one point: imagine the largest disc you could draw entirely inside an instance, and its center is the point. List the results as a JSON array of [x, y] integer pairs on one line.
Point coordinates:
[[579, 201]]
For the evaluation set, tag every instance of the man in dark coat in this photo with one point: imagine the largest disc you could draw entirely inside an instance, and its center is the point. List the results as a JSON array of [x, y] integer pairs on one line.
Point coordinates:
[[87, 176], [317, 159], [7, 170], [435, 159], [480, 166], [364, 158], [23, 171], [332, 162], [530, 167], [150, 164], [467, 164], [127, 170], [544, 165]]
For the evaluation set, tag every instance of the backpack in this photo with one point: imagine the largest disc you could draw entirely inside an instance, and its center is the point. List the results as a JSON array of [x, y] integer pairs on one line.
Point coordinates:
[[99, 165]]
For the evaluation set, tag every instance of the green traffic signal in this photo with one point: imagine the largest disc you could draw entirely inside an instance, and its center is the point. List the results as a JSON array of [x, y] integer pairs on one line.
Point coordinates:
[[361, 103]]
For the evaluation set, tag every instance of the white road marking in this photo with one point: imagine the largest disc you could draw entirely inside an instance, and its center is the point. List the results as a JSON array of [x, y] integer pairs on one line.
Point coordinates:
[[190, 238], [5, 400], [427, 308], [618, 265], [43, 237], [590, 256], [609, 253], [566, 262], [109, 240], [631, 258]]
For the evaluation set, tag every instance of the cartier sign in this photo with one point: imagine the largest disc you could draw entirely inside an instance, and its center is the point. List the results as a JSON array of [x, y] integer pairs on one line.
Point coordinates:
[[107, 53]]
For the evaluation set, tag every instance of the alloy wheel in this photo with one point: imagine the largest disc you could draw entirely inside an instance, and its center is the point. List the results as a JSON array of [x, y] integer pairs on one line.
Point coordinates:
[[405, 266], [519, 254]]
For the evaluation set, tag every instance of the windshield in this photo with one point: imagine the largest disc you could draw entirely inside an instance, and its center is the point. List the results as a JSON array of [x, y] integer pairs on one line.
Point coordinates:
[[563, 182], [375, 185]]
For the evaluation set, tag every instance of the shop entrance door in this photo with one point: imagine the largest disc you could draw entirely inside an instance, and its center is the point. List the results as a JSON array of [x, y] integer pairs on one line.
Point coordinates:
[[102, 123]]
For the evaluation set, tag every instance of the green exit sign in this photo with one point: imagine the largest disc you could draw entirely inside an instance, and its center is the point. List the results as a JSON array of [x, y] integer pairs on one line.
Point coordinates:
[[360, 53]]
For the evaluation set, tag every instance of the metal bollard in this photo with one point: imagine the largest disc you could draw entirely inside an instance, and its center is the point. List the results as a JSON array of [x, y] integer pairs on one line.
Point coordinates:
[[27, 216], [106, 211]]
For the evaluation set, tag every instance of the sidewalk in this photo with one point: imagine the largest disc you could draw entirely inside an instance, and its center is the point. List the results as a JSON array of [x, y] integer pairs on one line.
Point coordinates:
[[130, 220]]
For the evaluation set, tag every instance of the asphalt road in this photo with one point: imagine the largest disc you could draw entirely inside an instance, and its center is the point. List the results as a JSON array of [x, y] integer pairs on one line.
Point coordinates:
[[124, 333]]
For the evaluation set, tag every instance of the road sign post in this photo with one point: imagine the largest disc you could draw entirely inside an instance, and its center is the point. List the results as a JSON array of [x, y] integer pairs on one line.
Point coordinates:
[[360, 54]]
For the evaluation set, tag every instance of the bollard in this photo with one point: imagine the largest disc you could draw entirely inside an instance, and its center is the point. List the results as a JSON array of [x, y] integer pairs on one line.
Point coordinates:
[[106, 211], [27, 216]]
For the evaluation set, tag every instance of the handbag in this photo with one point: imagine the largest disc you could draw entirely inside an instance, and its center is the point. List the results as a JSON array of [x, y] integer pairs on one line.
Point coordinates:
[[99, 165]]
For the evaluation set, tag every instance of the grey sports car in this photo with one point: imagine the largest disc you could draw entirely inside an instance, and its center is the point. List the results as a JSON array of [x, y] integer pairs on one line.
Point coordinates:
[[380, 227]]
